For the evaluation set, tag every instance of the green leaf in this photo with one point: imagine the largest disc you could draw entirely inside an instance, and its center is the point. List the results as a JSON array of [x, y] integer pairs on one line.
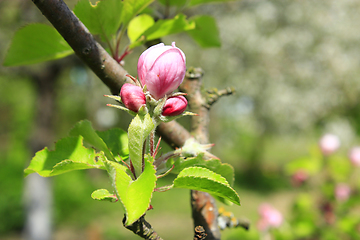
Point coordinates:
[[215, 165], [134, 195], [104, 18], [206, 32], [166, 27], [177, 3], [163, 28], [140, 127], [138, 26], [198, 2], [202, 179], [132, 8], [103, 195], [116, 141], [84, 129], [69, 155], [36, 43]]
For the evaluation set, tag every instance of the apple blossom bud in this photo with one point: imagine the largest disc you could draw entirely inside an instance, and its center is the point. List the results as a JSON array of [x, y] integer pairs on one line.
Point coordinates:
[[329, 143], [354, 156], [269, 217], [132, 96], [162, 69], [174, 106], [342, 192]]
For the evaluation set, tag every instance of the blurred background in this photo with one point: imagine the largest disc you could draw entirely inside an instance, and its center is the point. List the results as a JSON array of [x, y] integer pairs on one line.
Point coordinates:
[[295, 67]]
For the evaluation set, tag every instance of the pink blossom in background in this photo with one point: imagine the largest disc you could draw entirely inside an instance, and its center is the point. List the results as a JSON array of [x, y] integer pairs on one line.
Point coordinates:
[[299, 177], [162, 69], [270, 217], [132, 97], [354, 156], [329, 143], [174, 106], [342, 192]]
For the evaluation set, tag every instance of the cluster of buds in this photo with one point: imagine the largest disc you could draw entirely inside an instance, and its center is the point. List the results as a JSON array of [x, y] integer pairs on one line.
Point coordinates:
[[161, 69]]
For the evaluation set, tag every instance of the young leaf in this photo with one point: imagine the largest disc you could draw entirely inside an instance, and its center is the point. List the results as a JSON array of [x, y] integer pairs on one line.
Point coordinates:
[[215, 165], [84, 129], [69, 155], [116, 141], [203, 179], [36, 43], [103, 18], [206, 32], [134, 195], [166, 27], [103, 195], [140, 127], [138, 26], [132, 8]]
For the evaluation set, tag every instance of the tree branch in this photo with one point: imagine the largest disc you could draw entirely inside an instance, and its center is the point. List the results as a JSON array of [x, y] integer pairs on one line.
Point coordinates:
[[143, 229], [204, 210]]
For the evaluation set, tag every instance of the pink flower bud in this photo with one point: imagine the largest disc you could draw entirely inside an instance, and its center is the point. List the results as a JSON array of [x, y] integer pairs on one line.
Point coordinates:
[[269, 217], [342, 192], [329, 143], [162, 69], [354, 156], [132, 96], [174, 106]]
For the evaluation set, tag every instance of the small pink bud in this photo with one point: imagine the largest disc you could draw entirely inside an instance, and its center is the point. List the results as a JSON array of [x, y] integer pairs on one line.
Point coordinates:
[[354, 156], [162, 69], [174, 106], [132, 96], [269, 217], [329, 143], [342, 192]]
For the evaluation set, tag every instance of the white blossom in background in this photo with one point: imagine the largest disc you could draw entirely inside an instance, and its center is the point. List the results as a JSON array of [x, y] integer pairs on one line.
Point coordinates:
[[329, 143]]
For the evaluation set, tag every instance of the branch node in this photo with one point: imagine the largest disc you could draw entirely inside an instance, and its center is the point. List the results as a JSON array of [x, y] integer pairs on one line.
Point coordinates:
[[213, 95]]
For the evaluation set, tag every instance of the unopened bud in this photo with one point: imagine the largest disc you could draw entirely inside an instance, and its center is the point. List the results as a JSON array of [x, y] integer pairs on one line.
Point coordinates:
[[132, 96], [162, 69], [174, 106]]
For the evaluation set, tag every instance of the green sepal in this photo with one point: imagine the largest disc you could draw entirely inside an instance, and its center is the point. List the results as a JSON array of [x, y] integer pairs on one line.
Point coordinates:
[[104, 195], [202, 179]]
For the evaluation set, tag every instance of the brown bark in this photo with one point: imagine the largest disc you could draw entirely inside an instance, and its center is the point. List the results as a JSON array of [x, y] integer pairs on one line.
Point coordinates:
[[204, 210]]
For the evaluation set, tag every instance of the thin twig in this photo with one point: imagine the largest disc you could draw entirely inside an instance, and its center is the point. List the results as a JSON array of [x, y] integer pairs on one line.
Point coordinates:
[[143, 229]]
